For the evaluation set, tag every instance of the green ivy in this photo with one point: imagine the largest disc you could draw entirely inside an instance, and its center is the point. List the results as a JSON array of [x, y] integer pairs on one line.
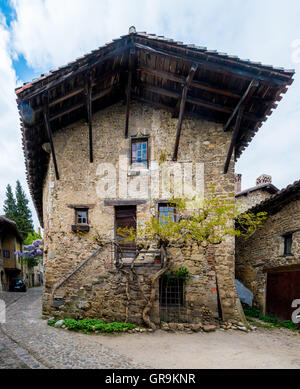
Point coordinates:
[[181, 273], [272, 320], [95, 325]]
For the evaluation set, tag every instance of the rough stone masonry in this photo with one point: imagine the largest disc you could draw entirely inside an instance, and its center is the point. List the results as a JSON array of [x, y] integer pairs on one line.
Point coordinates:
[[98, 288]]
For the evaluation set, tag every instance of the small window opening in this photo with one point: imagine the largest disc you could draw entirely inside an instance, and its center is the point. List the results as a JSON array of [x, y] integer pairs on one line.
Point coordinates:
[[6, 254], [171, 292], [288, 240], [81, 216], [139, 152], [166, 213]]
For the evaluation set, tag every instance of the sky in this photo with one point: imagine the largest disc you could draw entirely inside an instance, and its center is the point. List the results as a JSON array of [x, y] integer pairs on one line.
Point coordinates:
[[39, 35]]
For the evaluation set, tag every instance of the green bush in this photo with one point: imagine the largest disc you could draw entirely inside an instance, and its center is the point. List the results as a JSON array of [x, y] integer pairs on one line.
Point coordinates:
[[95, 325], [52, 322], [251, 312]]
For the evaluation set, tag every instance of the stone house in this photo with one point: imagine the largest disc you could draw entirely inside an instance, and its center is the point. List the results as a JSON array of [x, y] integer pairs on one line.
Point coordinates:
[[268, 263], [248, 198], [103, 135], [10, 241]]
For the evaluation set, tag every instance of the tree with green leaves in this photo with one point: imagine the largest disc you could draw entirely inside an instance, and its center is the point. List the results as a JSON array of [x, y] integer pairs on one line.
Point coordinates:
[[16, 208], [10, 206], [202, 222]]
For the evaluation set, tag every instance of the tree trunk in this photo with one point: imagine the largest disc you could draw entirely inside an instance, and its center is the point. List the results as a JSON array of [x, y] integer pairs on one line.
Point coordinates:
[[151, 300]]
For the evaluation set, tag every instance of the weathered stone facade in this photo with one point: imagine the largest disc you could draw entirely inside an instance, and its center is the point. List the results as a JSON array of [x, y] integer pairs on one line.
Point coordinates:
[[98, 289], [250, 197], [264, 250]]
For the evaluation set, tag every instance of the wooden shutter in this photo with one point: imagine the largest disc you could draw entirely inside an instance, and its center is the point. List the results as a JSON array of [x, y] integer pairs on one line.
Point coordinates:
[[126, 217]]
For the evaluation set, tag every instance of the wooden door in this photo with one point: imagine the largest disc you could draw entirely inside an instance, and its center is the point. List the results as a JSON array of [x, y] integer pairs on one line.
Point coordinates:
[[282, 289], [126, 217]]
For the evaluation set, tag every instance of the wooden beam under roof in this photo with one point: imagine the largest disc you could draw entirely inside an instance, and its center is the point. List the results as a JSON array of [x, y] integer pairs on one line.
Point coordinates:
[[94, 97], [88, 96], [200, 102], [49, 132], [73, 73], [246, 96], [182, 106], [194, 84], [225, 69], [131, 61], [78, 90], [234, 138]]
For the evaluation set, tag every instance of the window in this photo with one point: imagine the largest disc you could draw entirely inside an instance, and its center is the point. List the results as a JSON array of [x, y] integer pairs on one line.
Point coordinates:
[[288, 240], [166, 213], [81, 216], [171, 292], [6, 254], [139, 152]]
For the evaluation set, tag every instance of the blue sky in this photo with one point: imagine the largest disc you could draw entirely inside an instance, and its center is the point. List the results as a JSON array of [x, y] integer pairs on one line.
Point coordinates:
[[39, 35]]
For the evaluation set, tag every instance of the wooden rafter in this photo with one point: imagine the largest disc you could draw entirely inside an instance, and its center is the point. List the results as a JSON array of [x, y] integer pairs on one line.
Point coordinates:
[[78, 90], [234, 138], [83, 68], [226, 69], [182, 106], [131, 61], [94, 97], [246, 96], [88, 96], [200, 102], [194, 84], [49, 132]]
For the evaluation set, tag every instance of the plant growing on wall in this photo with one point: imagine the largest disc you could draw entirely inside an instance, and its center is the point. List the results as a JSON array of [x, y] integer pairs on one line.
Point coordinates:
[[32, 254], [201, 222]]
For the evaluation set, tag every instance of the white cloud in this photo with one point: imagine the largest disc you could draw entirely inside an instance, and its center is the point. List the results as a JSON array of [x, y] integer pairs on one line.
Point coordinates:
[[11, 155]]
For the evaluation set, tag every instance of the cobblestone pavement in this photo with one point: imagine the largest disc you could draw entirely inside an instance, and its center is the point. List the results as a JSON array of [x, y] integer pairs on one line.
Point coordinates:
[[26, 341]]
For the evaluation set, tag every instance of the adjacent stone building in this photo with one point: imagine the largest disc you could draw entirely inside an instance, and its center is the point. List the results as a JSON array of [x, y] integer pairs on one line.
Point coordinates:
[[248, 198], [268, 263], [105, 138], [10, 241]]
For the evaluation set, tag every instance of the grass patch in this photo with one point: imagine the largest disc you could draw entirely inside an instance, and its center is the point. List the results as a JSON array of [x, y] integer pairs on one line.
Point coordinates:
[[89, 326], [271, 322]]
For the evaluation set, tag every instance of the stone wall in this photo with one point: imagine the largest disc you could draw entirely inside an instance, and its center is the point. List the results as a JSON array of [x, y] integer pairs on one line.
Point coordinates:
[[202, 152], [265, 250], [249, 200]]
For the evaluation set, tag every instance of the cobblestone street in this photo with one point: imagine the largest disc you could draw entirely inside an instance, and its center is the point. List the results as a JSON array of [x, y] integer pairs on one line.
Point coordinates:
[[26, 341]]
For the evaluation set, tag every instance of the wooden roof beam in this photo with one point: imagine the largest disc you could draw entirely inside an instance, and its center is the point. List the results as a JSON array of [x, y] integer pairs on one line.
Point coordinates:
[[224, 68], [245, 98], [182, 102], [78, 90], [131, 61], [88, 97], [234, 138], [194, 84], [74, 73], [196, 101], [94, 97], [49, 132]]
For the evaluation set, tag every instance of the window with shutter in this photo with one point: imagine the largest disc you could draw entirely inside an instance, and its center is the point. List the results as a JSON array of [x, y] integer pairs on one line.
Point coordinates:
[[126, 217]]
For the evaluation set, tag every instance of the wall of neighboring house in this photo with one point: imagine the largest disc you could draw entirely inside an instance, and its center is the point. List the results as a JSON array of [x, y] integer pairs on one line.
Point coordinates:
[[265, 251], [12, 265], [249, 200], [99, 289]]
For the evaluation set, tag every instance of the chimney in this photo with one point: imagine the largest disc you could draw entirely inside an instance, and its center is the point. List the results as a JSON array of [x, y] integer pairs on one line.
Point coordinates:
[[237, 183], [131, 30], [263, 179]]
